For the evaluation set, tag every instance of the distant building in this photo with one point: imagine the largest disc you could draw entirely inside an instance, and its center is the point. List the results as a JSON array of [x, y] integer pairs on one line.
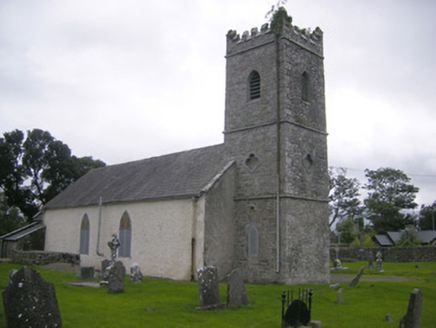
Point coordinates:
[[426, 237], [259, 201]]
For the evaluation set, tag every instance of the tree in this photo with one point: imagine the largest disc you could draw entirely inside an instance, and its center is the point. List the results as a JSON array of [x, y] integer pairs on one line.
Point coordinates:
[[347, 231], [389, 194], [427, 217], [10, 218], [344, 197], [33, 171]]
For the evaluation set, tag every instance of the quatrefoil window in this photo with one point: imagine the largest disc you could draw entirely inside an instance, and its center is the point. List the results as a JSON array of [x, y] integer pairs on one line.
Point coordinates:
[[252, 162]]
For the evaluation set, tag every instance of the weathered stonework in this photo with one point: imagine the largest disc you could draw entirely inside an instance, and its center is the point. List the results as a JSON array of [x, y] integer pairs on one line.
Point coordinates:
[[284, 195]]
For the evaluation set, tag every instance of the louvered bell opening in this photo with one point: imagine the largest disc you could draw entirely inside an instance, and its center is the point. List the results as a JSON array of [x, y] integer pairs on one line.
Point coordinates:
[[254, 85]]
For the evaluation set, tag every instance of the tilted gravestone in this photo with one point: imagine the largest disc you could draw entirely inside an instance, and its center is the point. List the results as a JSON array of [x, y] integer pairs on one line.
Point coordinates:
[[116, 278], [412, 319], [30, 301], [236, 292], [356, 279], [208, 289]]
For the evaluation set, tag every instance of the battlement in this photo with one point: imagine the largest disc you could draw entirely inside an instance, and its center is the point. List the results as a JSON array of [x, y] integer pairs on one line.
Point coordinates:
[[310, 40]]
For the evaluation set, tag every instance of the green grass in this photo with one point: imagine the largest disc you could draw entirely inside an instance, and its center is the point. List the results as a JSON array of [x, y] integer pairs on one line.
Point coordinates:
[[174, 302]]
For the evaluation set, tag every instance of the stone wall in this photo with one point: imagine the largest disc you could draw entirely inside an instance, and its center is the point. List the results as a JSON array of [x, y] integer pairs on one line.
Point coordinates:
[[390, 254], [43, 258]]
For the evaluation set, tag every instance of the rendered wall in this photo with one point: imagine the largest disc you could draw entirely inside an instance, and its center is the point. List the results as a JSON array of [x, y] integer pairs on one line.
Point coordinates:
[[161, 235]]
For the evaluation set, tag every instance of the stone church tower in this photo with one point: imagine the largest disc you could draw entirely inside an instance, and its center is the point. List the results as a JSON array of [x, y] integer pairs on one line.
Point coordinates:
[[275, 128]]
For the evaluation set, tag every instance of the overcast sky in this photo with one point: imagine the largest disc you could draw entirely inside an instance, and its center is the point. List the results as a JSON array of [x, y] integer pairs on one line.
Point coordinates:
[[127, 80]]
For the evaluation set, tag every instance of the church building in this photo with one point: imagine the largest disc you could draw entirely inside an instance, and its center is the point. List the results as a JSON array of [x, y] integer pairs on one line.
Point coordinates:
[[258, 202]]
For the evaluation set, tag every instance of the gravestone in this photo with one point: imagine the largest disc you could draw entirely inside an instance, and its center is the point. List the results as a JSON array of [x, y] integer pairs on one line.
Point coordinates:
[[114, 244], [297, 314], [30, 301], [412, 319], [116, 278], [389, 318], [236, 292], [105, 264], [335, 286], [87, 273], [135, 274], [379, 261], [341, 296], [208, 290], [356, 279], [371, 260]]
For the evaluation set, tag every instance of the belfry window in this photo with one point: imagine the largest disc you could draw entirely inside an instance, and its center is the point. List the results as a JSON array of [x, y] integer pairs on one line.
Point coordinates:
[[305, 86], [84, 235], [254, 85], [125, 236]]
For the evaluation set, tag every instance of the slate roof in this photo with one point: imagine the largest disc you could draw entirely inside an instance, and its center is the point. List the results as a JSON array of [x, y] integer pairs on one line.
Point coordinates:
[[383, 240], [425, 236], [24, 231], [183, 174]]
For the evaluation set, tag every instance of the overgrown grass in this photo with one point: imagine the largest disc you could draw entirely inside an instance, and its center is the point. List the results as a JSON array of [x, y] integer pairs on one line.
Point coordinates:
[[165, 303]]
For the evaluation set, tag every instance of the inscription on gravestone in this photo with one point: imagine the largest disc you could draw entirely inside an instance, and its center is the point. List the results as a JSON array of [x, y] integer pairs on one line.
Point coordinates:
[[30, 301]]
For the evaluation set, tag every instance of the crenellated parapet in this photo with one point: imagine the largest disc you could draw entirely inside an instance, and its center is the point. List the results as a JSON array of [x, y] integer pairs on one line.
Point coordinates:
[[310, 40]]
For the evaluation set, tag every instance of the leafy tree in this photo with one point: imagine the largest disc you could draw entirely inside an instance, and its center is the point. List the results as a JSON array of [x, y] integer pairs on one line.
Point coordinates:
[[389, 193], [427, 217], [344, 197], [34, 170], [10, 218], [408, 239], [347, 231]]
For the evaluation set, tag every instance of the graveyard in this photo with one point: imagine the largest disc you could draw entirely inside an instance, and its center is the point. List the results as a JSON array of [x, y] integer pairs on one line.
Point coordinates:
[[375, 300]]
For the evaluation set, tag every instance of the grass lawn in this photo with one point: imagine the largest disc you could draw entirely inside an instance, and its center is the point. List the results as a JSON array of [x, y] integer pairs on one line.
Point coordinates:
[[165, 303]]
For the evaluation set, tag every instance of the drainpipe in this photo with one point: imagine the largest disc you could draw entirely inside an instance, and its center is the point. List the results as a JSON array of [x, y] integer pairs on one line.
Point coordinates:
[[99, 227]]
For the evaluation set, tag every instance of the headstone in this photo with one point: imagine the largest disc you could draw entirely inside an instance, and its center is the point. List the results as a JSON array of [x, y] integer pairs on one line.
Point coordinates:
[[361, 255], [341, 296], [315, 324], [356, 279], [337, 264], [208, 288], [379, 262], [114, 244], [297, 314], [87, 273], [30, 301], [335, 286], [236, 292], [105, 264], [412, 319], [135, 274], [389, 318], [371, 260], [116, 278]]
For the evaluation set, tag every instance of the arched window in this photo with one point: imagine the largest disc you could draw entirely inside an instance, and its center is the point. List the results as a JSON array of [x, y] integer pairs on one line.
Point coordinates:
[[254, 85], [125, 236], [253, 242], [84, 235], [305, 86]]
